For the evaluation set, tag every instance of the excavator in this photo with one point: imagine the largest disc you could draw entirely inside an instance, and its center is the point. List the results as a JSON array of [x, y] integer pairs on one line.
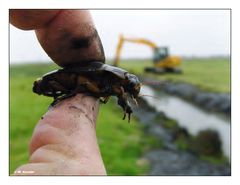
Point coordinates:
[[163, 63]]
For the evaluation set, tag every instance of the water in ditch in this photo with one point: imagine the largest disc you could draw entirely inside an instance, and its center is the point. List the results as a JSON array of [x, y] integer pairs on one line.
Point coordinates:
[[190, 116]]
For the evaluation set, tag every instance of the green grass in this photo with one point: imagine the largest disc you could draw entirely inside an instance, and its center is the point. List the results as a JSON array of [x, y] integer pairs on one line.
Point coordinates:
[[121, 144], [207, 74]]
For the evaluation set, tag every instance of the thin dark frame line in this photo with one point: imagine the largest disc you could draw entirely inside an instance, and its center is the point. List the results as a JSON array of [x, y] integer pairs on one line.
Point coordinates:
[[118, 9]]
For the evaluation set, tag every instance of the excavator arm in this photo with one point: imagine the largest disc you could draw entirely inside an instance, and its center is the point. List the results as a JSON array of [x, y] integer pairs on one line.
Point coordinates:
[[123, 39], [161, 60]]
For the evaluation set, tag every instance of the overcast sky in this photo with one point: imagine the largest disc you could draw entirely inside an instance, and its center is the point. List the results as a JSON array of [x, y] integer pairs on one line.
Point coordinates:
[[186, 32]]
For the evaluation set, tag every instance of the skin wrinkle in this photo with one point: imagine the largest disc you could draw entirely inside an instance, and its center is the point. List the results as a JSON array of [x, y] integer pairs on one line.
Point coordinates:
[[48, 123], [41, 140], [65, 151], [69, 129], [77, 108], [52, 19], [53, 171], [70, 122], [89, 119], [81, 105], [82, 112], [89, 108]]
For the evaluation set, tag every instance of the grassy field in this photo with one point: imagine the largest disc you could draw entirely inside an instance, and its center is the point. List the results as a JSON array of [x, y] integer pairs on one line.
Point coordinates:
[[208, 74], [121, 144]]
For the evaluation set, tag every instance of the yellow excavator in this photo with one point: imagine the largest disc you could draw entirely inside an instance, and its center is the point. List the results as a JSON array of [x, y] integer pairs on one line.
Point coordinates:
[[163, 63]]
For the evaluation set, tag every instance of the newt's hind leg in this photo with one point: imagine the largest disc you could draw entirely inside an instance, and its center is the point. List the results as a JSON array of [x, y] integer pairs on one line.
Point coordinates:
[[123, 102], [126, 107]]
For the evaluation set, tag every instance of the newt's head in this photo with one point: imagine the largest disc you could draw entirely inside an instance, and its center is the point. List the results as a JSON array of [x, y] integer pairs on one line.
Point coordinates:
[[133, 85]]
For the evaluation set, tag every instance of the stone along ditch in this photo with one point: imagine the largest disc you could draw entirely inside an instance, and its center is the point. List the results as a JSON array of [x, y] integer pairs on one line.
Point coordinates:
[[195, 141]]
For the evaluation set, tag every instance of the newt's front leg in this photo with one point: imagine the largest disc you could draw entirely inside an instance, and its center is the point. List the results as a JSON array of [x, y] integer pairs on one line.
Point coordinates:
[[58, 99], [104, 99]]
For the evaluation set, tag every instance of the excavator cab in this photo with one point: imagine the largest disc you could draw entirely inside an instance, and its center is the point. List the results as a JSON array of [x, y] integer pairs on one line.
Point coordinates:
[[160, 53], [163, 63]]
